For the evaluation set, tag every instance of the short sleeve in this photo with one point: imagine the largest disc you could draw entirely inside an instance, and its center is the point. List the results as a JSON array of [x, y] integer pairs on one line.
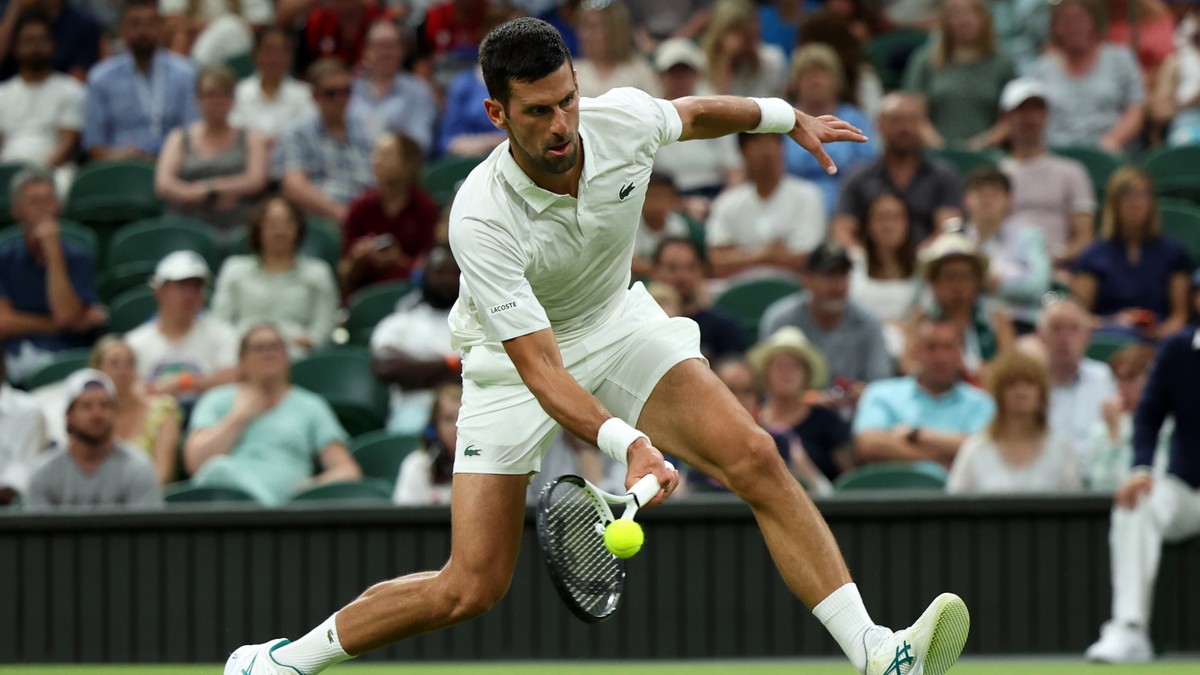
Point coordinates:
[[211, 408], [324, 427], [873, 412], [1081, 193], [1091, 260], [70, 108], [982, 414], [1177, 257], [722, 221], [656, 115], [807, 229], [493, 271], [1129, 75]]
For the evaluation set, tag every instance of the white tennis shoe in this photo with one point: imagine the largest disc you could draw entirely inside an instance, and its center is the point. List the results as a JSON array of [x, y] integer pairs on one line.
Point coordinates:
[[931, 646], [1121, 643], [257, 660]]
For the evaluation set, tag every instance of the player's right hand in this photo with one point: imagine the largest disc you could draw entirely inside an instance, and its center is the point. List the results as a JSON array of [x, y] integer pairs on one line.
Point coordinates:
[[645, 459], [1130, 492]]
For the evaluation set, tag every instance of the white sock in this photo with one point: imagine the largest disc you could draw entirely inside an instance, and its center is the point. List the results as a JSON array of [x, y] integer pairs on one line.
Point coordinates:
[[314, 652], [848, 622]]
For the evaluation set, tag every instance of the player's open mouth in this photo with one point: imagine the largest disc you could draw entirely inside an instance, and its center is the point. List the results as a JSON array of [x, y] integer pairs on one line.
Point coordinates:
[[560, 149]]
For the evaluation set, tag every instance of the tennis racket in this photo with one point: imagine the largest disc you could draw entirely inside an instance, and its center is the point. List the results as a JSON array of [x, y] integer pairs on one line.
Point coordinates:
[[571, 517]]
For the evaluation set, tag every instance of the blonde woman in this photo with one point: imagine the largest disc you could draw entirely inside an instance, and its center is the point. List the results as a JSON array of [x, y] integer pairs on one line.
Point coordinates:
[[738, 63], [1016, 452], [961, 73], [148, 421], [609, 58], [1133, 278]]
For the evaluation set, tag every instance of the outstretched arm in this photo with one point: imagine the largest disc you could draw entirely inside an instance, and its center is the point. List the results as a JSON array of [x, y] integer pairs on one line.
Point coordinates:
[[714, 116]]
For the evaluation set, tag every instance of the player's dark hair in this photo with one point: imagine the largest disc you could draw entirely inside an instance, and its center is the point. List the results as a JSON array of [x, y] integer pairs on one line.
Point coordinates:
[[988, 176], [676, 241], [522, 50], [32, 17]]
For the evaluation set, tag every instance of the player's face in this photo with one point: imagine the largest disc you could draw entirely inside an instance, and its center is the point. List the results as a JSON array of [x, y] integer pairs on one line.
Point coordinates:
[[542, 121], [91, 417]]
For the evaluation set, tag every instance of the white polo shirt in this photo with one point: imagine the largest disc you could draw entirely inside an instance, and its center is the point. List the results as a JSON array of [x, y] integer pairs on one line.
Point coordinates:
[[532, 259], [794, 214]]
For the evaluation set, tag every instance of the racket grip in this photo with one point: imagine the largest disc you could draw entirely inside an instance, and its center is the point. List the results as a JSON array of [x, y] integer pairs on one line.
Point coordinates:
[[645, 489]]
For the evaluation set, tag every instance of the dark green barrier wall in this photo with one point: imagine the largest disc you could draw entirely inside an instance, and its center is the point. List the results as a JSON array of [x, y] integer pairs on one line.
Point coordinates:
[[189, 585]]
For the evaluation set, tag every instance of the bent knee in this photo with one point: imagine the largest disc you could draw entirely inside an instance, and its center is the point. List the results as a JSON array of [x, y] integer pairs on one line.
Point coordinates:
[[756, 470], [467, 597]]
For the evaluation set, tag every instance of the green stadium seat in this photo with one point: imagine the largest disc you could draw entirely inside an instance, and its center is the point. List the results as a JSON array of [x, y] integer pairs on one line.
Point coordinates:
[[894, 476], [368, 490], [747, 301], [113, 193], [69, 230], [242, 65], [443, 177], [343, 377], [1099, 164], [889, 54], [1176, 172], [369, 306], [966, 161], [8, 170], [184, 492], [379, 453], [1104, 345], [120, 278], [63, 365], [1181, 221], [151, 239], [131, 309]]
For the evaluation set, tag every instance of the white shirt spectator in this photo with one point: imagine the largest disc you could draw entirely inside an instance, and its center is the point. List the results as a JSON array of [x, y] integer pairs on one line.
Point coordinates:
[[422, 332], [211, 346], [699, 164], [979, 467], [34, 113], [22, 437], [647, 240], [1076, 408], [888, 299], [1049, 191], [252, 109], [794, 214], [255, 11], [414, 486]]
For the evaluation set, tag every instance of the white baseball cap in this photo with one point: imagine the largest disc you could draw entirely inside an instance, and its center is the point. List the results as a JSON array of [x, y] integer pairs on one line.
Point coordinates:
[[1020, 90], [678, 51], [180, 265], [85, 380]]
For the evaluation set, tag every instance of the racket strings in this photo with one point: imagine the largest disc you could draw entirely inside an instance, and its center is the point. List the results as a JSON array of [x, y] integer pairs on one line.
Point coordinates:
[[590, 573]]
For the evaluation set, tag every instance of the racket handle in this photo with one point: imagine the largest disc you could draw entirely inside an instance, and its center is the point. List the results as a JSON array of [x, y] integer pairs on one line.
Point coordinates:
[[645, 489]]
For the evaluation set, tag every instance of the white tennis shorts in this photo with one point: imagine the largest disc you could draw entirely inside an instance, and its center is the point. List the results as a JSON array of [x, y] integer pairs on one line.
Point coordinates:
[[502, 429]]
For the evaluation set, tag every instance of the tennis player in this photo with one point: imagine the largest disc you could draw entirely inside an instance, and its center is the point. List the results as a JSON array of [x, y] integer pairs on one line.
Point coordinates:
[[553, 335]]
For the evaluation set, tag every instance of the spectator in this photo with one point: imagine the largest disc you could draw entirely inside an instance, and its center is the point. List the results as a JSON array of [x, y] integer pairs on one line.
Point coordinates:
[[738, 63], [1095, 89], [455, 26], [779, 22], [335, 30], [1110, 459], [210, 170], [927, 415], [183, 351], [43, 110], [78, 37], [817, 90], [47, 283], [1151, 510], [660, 219], [960, 73], [850, 337], [931, 187], [410, 348], [1078, 385], [1021, 29], [1017, 452], [609, 59], [276, 282], [144, 421], [135, 98], [390, 227], [700, 167], [847, 34], [466, 130], [957, 273], [818, 440], [214, 31], [427, 472], [884, 277], [94, 469], [735, 373], [772, 221], [323, 163], [1134, 278], [384, 98], [667, 298], [564, 16], [678, 262], [262, 434], [1018, 262], [657, 21], [23, 438], [1175, 94], [271, 99], [1149, 31], [1055, 193]]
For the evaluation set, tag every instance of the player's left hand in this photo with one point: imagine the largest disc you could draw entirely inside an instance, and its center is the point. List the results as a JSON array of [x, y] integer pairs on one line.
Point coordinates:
[[812, 132], [645, 459]]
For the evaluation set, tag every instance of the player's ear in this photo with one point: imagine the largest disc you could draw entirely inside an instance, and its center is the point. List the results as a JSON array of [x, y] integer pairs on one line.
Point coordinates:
[[495, 113]]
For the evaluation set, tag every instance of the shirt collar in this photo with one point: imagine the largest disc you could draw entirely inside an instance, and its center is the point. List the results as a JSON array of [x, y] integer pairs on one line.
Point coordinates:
[[952, 393], [538, 198]]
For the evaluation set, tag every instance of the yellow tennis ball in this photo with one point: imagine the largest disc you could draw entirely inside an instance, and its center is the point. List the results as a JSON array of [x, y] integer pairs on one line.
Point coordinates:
[[623, 538]]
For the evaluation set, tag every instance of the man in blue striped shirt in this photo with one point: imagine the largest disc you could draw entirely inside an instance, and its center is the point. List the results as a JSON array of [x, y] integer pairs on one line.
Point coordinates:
[[1152, 509]]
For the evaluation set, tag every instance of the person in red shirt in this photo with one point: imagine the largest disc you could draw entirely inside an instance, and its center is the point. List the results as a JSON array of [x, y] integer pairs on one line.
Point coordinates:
[[455, 25], [339, 29], [390, 227]]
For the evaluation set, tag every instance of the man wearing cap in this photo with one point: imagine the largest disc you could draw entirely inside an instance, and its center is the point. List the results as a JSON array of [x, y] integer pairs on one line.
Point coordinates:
[[850, 337], [23, 437], [94, 469], [183, 351], [1151, 508], [47, 283], [1052, 192]]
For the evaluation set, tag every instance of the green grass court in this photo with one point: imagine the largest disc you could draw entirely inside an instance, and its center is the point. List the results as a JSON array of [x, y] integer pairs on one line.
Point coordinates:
[[1062, 666]]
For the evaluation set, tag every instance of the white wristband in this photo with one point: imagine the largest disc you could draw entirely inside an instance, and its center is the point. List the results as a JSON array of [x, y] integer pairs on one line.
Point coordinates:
[[615, 437], [777, 116]]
